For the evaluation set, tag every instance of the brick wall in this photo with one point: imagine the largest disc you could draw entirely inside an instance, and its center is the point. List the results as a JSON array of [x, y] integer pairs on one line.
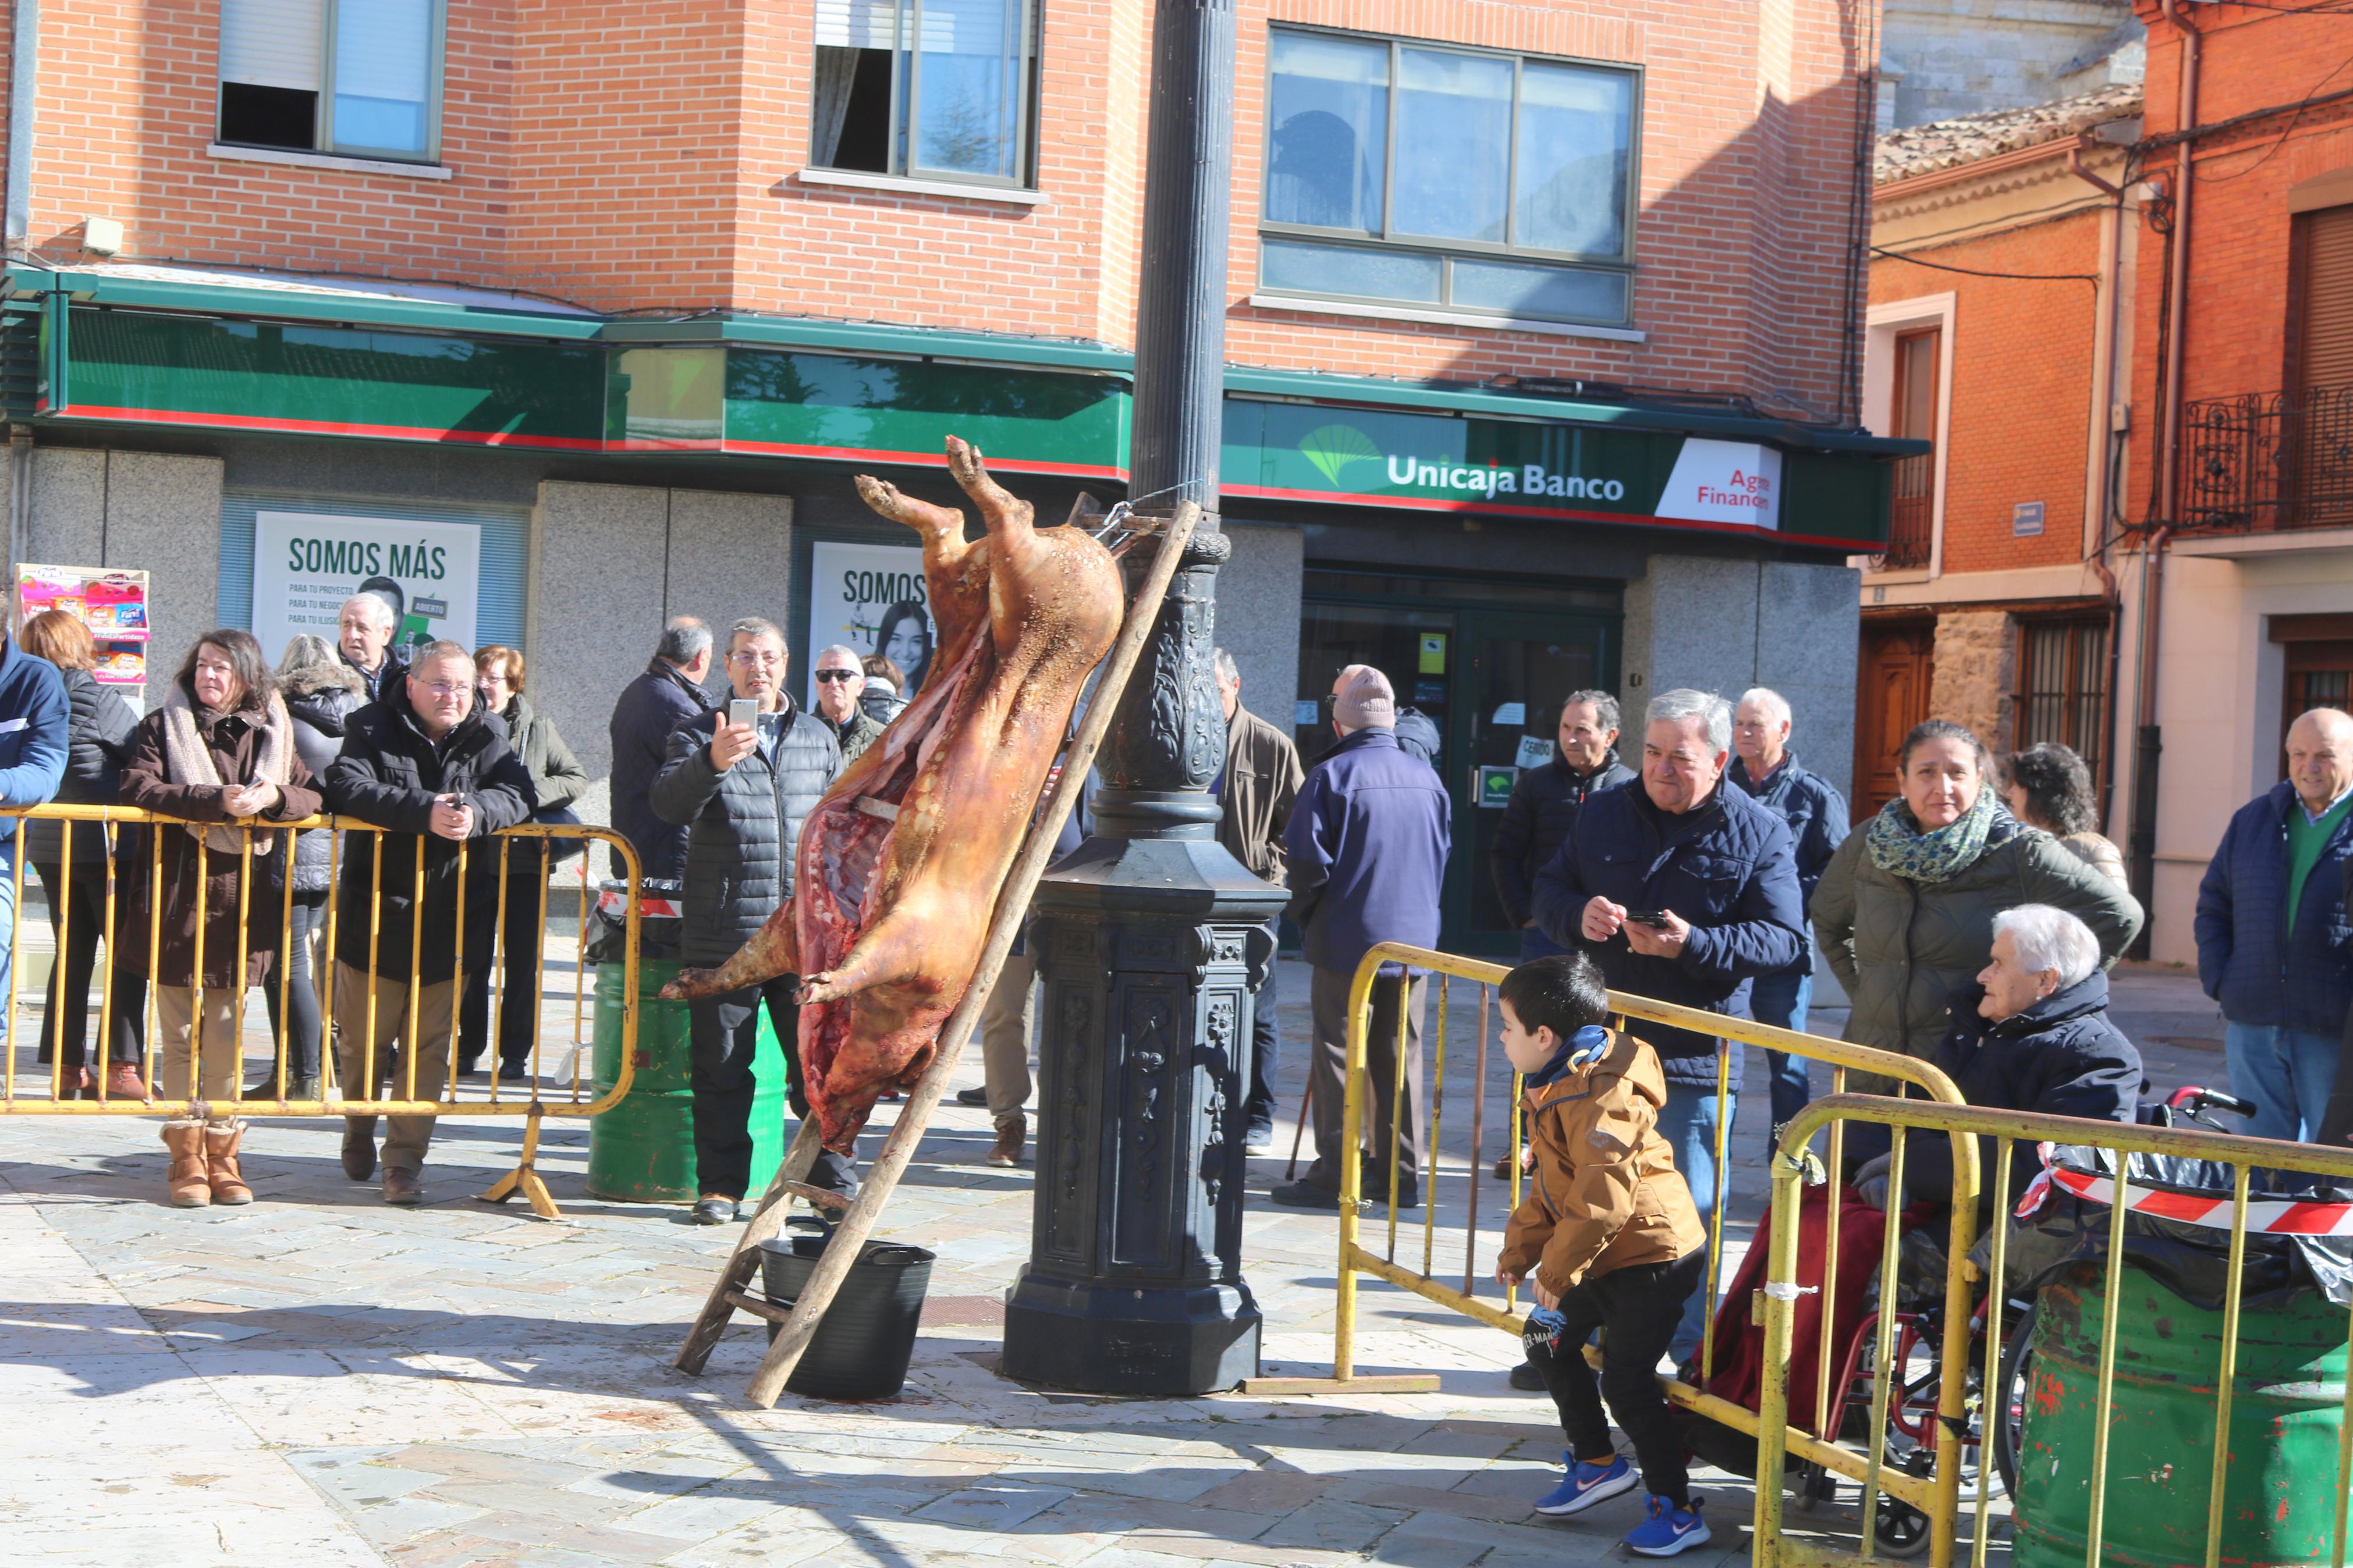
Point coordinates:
[[2241, 283], [646, 154], [2022, 386]]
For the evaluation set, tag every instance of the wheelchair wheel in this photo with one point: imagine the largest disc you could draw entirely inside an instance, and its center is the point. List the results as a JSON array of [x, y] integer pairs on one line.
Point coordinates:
[[1900, 1530], [2006, 1412]]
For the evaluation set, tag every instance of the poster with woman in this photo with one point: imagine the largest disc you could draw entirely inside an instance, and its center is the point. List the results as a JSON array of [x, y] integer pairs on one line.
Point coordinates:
[[870, 597]]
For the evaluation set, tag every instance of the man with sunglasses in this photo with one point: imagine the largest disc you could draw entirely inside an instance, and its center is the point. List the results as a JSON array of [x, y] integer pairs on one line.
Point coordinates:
[[840, 679]]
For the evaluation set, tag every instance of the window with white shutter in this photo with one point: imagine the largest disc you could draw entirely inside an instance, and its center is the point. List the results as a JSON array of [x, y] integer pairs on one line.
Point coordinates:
[[935, 89], [360, 78]]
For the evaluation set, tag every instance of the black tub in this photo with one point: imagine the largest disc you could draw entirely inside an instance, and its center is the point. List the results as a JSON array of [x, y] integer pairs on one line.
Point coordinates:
[[863, 1342]]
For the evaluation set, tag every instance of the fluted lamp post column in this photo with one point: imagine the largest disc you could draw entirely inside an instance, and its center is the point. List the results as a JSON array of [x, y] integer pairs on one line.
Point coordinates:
[[1148, 935]]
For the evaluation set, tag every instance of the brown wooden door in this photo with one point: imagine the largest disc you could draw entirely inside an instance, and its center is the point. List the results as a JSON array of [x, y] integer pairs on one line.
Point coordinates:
[[1898, 665]]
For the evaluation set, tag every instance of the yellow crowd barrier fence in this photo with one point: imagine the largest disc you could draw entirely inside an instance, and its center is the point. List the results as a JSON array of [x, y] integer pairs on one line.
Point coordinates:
[[1934, 1495], [1964, 1125], [507, 868]]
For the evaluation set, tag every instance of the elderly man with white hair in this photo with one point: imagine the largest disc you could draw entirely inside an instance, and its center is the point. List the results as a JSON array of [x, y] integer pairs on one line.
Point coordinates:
[[1684, 890], [1816, 815], [364, 629], [839, 676], [2033, 1034]]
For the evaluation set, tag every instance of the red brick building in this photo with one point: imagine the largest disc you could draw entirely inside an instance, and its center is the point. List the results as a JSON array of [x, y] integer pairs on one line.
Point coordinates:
[[1543, 322], [2004, 255], [2242, 399]]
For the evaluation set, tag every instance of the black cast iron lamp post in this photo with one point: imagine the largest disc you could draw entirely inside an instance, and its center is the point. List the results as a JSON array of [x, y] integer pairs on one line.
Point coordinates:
[[1149, 933]]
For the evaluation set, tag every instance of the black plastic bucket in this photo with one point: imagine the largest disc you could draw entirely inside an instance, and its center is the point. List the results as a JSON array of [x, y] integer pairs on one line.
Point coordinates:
[[866, 1337]]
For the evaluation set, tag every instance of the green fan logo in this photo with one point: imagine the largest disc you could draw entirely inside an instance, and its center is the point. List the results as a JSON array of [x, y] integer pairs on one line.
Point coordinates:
[[1335, 449]]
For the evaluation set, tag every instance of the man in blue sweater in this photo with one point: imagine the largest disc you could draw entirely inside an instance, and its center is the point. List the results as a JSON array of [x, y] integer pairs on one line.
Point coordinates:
[[34, 717], [1367, 845], [2271, 931]]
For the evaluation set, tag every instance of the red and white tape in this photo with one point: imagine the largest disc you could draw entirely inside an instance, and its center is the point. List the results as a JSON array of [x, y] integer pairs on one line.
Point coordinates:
[[2270, 1217], [613, 902]]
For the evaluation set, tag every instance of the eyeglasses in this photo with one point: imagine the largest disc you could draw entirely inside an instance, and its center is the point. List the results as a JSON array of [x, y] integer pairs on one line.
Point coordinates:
[[754, 655], [445, 687], [840, 675]]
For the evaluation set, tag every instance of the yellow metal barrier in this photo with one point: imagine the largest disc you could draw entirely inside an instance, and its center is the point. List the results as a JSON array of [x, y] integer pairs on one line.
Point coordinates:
[[1964, 1124], [1935, 1495], [431, 1099]]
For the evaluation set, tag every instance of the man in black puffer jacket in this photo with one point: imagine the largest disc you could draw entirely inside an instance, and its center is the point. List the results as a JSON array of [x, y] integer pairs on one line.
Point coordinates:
[[427, 763], [1544, 807], [2033, 1034], [743, 791]]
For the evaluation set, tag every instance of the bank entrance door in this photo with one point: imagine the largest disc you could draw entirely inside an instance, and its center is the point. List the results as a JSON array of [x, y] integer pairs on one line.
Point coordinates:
[[1485, 661]]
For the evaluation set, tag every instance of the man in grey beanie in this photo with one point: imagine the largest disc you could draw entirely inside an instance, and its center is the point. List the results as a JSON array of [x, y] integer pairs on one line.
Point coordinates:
[[1367, 842]]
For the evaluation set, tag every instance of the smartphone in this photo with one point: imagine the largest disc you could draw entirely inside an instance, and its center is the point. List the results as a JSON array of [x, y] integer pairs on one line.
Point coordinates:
[[743, 709], [1651, 918]]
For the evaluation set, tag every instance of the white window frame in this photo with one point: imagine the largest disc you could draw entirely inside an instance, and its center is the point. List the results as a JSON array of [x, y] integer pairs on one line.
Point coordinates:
[[1883, 324], [1449, 250], [906, 73], [323, 129]]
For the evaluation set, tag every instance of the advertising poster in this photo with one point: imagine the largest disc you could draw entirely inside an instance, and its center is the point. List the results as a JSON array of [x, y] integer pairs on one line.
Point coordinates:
[[112, 604], [870, 597], [306, 566]]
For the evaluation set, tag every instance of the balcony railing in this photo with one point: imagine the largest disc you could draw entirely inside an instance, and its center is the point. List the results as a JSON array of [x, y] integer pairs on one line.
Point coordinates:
[[2264, 462], [1912, 522]]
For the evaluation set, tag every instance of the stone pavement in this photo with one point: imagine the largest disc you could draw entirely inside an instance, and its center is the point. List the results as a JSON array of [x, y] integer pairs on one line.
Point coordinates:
[[319, 1380]]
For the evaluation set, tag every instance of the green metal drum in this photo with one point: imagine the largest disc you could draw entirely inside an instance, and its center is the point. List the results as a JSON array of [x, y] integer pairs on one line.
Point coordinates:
[[2287, 1408], [642, 1150]]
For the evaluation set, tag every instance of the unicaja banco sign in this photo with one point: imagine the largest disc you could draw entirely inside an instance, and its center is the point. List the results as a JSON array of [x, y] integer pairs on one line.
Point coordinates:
[[1513, 467]]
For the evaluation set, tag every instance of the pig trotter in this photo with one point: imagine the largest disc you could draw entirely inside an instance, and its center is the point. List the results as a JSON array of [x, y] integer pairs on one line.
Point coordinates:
[[692, 984]]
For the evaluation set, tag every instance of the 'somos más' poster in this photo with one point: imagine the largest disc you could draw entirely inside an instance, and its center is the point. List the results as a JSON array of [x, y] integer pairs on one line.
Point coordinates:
[[870, 597], [306, 566]]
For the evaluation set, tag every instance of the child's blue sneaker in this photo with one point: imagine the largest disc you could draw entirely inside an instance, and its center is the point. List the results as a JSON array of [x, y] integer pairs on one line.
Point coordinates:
[[1585, 1485], [1669, 1530]]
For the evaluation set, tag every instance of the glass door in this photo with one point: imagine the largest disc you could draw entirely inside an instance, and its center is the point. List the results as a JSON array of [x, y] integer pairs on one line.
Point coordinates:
[[1517, 669]]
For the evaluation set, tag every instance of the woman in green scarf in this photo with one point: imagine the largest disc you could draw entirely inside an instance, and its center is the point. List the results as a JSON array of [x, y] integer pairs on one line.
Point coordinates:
[[1904, 911]]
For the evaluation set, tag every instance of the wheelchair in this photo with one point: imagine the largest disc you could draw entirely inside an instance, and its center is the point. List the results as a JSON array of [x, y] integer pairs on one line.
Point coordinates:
[[1915, 1344]]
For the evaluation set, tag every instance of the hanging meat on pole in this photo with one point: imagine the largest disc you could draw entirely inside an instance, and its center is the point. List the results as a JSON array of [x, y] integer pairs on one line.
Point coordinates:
[[899, 865]]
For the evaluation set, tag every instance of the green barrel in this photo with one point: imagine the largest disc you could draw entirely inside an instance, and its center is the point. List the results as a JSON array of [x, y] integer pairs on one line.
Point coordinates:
[[642, 1150], [2287, 1406]]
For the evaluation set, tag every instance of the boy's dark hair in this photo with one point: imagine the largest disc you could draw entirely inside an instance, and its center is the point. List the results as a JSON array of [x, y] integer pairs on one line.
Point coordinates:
[[1564, 993]]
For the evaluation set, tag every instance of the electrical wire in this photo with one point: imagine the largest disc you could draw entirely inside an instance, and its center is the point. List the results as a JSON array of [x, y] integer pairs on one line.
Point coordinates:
[[2304, 102], [2091, 278]]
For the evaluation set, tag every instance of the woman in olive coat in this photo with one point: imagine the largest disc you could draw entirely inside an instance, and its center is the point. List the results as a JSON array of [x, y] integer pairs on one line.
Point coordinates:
[[1904, 911]]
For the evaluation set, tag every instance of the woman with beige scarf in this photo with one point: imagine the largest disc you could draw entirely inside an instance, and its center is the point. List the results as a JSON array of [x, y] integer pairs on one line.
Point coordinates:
[[220, 749]]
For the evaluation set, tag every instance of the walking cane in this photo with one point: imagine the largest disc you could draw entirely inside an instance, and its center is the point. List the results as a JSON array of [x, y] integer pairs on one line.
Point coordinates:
[[1306, 1098]]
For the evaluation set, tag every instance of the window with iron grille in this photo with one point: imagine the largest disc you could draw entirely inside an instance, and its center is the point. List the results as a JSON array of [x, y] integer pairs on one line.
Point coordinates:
[[2062, 687]]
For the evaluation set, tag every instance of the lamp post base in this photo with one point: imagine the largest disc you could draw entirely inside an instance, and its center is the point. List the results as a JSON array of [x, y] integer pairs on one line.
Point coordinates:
[[1096, 1338]]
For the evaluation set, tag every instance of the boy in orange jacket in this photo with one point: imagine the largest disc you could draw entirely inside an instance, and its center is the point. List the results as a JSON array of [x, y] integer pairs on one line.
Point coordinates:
[[1606, 1239]]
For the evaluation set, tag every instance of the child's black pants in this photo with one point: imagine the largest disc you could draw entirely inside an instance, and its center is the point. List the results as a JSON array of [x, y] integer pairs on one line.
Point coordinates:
[[1638, 1310]]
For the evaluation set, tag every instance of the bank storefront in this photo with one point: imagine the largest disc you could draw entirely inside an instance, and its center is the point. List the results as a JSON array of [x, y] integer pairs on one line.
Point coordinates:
[[561, 481]]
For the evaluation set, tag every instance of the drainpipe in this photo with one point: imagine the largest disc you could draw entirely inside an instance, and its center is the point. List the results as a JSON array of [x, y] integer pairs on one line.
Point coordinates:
[[2103, 485], [2150, 745], [24, 70]]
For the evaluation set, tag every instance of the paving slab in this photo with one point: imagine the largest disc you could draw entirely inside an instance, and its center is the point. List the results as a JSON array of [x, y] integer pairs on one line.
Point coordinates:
[[320, 1380]]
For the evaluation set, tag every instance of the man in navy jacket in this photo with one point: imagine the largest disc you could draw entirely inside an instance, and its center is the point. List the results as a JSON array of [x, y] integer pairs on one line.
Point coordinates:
[[1713, 877], [1816, 815], [1366, 843], [668, 695], [34, 718], [2271, 931]]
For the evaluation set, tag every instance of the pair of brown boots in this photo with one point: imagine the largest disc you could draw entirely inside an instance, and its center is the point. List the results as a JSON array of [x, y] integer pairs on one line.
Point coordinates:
[[204, 1164]]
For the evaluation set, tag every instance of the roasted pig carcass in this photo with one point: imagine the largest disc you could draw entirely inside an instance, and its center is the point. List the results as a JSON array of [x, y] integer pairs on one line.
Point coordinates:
[[899, 865]]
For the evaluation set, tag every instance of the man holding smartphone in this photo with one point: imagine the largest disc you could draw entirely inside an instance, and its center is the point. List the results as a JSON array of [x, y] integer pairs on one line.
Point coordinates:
[[1683, 889], [741, 780]]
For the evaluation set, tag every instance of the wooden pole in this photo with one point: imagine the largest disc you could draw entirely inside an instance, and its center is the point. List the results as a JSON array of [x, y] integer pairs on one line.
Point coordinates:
[[1012, 907]]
